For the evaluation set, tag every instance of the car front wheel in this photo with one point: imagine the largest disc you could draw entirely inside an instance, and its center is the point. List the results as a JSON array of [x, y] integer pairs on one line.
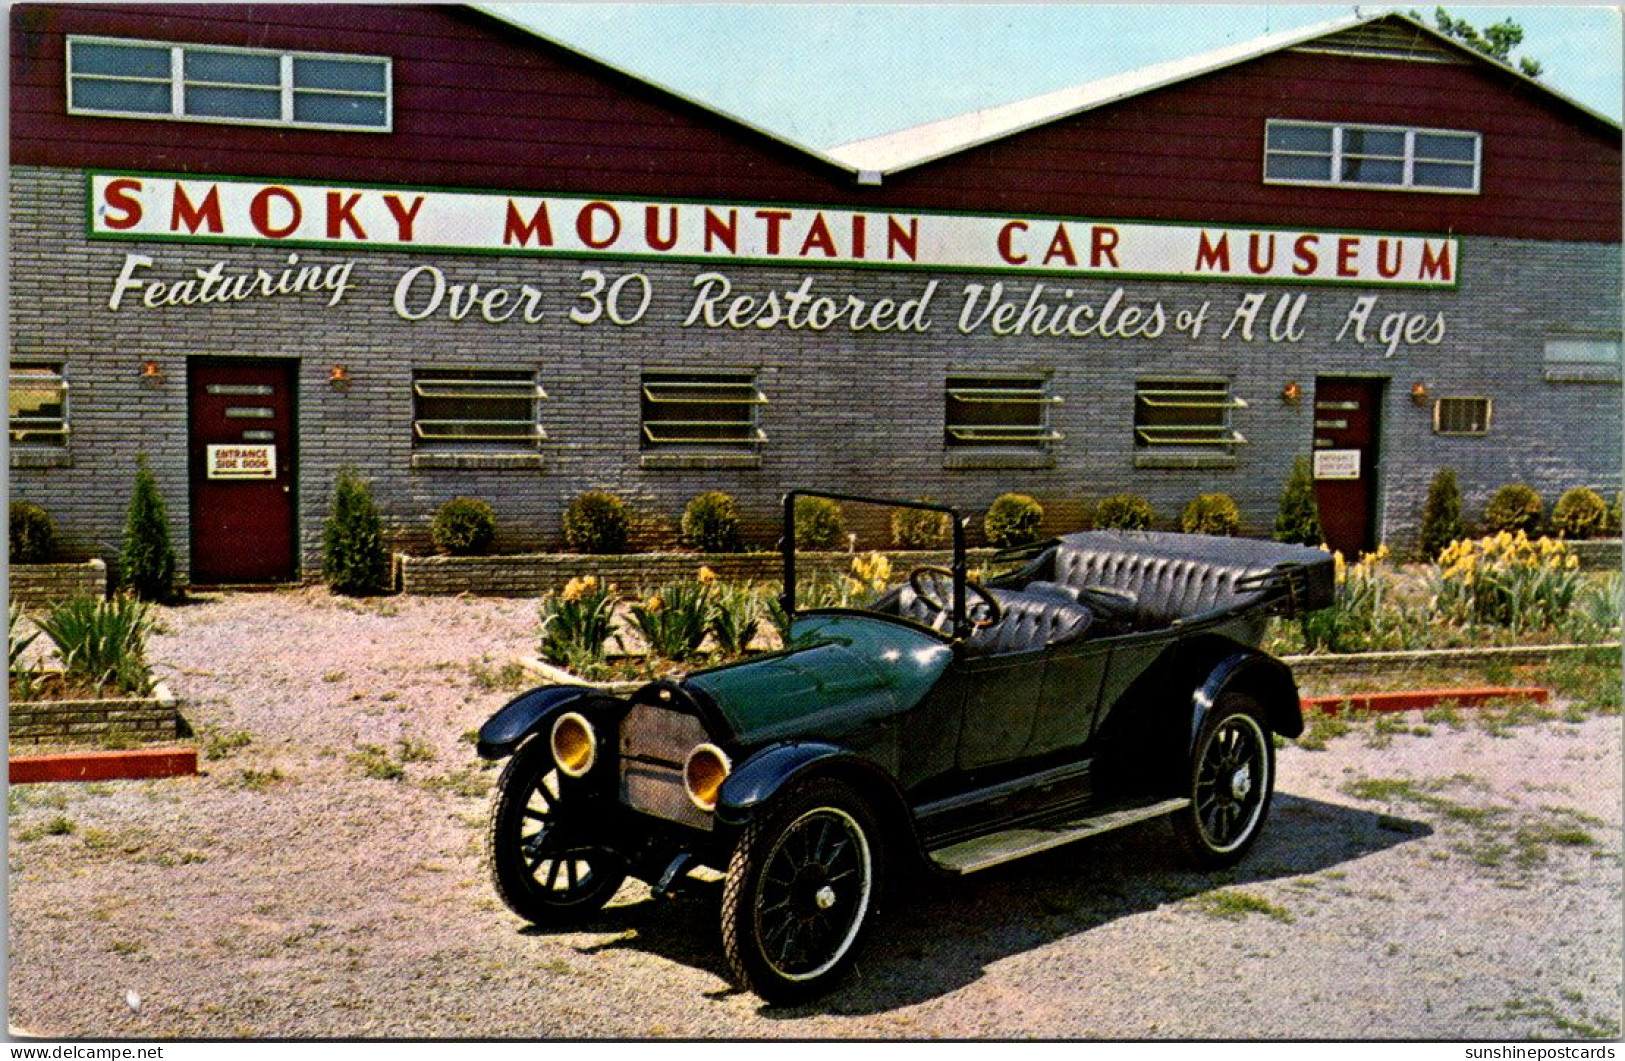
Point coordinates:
[[543, 862], [803, 886], [1232, 777]]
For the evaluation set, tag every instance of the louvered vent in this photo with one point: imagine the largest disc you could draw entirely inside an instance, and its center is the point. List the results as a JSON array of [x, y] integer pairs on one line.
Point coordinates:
[[1384, 40]]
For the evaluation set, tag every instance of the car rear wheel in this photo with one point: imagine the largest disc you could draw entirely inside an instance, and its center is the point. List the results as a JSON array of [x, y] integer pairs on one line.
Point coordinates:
[[1232, 778], [803, 887], [542, 860]]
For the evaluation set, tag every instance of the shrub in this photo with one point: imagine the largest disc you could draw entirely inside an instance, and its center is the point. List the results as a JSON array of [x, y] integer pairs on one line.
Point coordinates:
[[916, 528], [1299, 517], [103, 642], [1124, 512], [354, 560], [147, 561], [1441, 515], [1580, 513], [1012, 519], [1614, 511], [818, 523], [711, 523], [1212, 514], [577, 622], [464, 526], [596, 522], [33, 535], [1513, 508]]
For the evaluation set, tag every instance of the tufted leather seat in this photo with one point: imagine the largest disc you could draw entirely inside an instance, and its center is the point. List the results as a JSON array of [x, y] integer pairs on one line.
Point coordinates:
[[1030, 621], [1155, 580]]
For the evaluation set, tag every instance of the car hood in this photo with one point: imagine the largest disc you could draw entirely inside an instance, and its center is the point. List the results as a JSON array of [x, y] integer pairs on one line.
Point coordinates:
[[842, 673]]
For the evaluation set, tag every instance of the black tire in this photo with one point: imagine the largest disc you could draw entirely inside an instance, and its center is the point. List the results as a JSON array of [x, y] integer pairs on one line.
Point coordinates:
[[1232, 778], [803, 887], [538, 846]]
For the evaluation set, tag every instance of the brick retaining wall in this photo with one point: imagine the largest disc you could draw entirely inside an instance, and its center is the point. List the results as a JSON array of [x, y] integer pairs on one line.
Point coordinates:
[[1602, 555], [152, 718], [533, 574], [42, 585]]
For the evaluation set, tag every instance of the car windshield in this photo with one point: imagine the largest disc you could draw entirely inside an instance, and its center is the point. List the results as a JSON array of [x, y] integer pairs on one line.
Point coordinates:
[[870, 554]]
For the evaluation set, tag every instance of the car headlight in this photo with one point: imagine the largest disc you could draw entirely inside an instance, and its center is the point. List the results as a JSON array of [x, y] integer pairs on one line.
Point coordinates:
[[703, 774], [575, 745]]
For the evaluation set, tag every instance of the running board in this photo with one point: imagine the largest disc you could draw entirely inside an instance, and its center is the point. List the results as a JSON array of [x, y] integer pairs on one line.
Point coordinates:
[[998, 848]]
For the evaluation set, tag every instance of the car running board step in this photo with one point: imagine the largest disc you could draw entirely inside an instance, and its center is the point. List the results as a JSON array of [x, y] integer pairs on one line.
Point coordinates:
[[998, 848]]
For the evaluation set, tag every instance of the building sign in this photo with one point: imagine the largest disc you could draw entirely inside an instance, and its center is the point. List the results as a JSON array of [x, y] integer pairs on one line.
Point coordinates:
[[156, 207], [1337, 464], [242, 462]]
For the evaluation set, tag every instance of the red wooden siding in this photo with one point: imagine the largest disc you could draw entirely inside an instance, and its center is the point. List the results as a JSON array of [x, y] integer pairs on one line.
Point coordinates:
[[1194, 152], [475, 104], [478, 104]]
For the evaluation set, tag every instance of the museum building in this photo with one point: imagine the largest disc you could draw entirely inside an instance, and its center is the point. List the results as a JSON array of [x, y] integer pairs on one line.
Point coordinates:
[[260, 243]]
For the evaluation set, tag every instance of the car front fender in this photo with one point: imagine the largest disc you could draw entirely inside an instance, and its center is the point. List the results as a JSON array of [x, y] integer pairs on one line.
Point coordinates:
[[754, 782], [529, 712], [1264, 677]]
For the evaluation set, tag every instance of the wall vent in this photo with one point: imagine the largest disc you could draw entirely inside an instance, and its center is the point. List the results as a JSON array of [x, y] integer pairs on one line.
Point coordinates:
[[1385, 40]]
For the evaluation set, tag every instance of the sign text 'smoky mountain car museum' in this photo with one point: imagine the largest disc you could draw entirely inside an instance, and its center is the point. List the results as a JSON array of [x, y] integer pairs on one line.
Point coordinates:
[[260, 243]]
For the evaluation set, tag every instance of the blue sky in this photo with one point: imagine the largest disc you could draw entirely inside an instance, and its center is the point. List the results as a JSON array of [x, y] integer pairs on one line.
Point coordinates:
[[823, 74]]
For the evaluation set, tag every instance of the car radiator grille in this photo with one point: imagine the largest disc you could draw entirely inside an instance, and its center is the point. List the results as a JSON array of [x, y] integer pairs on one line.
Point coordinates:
[[655, 743]]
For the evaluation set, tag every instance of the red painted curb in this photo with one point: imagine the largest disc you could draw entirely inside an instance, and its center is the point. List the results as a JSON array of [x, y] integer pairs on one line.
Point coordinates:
[[103, 766], [1420, 699]]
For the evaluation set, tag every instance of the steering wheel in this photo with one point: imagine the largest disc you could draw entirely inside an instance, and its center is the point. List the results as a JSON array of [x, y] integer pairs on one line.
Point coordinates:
[[934, 586]]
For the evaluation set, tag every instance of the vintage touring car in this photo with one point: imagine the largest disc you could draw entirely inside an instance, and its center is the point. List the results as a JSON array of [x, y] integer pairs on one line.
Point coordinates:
[[1105, 678]]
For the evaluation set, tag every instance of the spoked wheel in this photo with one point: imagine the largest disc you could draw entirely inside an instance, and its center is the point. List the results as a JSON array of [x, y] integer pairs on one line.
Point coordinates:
[[539, 846], [1232, 779], [803, 886]]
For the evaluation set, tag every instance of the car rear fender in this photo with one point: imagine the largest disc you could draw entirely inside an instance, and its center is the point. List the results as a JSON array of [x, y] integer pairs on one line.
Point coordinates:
[[755, 782], [535, 711], [1263, 677]]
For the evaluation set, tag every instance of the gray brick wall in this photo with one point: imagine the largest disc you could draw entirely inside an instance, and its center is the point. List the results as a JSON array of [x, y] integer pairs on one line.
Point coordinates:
[[857, 412]]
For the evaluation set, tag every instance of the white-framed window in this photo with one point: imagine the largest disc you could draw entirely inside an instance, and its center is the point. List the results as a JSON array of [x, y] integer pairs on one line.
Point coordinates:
[[1372, 156], [478, 409], [1183, 413], [239, 86], [1461, 416], [39, 404], [689, 409], [1005, 411], [1583, 358]]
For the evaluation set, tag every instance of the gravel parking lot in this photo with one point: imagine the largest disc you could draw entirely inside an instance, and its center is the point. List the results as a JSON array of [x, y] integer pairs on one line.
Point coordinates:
[[1453, 877]]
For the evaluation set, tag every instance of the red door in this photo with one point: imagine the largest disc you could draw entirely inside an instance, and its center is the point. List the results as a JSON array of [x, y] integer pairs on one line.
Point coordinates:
[[1345, 461], [242, 455]]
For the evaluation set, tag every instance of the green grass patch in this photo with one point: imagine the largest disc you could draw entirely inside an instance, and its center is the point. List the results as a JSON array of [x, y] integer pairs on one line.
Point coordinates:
[[1323, 729], [508, 677], [376, 763], [251, 780], [466, 782], [1235, 904], [216, 744], [412, 750]]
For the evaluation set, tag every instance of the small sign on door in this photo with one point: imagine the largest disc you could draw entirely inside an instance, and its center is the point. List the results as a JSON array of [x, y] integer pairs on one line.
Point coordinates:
[[242, 462], [1337, 464]]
